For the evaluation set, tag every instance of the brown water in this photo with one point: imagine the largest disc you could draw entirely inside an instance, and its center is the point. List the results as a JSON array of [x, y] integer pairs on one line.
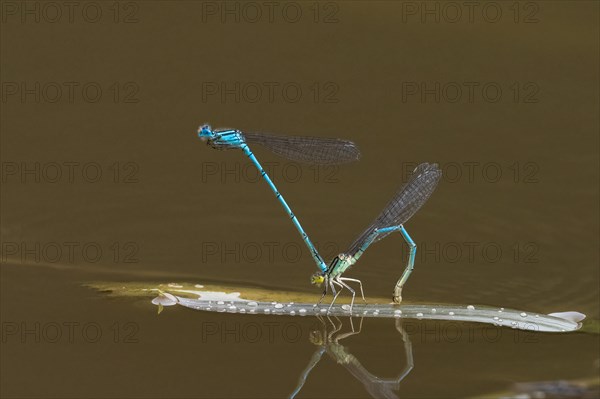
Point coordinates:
[[169, 209]]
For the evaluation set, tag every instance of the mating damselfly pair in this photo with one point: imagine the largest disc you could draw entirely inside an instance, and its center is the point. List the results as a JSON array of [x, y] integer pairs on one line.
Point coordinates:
[[403, 205]]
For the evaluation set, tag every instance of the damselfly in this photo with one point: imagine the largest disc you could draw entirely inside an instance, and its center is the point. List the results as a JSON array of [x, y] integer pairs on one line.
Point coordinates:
[[298, 148], [335, 151], [405, 203]]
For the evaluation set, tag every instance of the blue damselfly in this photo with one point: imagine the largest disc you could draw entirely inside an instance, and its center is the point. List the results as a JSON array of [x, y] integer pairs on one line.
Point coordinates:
[[398, 211]]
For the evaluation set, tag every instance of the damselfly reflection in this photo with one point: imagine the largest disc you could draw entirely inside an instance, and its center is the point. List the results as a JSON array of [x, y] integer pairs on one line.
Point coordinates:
[[329, 342]]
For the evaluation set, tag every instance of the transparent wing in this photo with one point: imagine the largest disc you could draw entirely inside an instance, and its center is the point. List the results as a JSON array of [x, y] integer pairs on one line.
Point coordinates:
[[313, 150], [404, 204]]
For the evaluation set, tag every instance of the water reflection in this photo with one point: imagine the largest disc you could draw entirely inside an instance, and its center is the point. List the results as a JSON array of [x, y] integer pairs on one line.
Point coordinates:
[[328, 341]]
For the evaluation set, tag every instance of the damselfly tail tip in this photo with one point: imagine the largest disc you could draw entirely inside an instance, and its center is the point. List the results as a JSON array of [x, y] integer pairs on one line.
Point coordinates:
[[397, 295]]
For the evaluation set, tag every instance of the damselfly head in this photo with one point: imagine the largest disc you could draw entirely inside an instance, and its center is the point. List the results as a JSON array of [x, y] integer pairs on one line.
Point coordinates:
[[316, 338], [317, 279], [205, 132]]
